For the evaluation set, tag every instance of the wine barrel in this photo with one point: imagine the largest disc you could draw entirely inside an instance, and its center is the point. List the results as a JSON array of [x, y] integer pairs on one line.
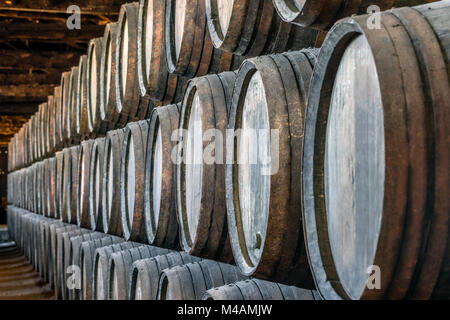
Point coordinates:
[[65, 108], [161, 224], [66, 187], [100, 267], [200, 167], [51, 125], [252, 28], [34, 155], [81, 113], [73, 98], [96, 184], [108, 107], [74, 201], [94, 59], [374, 152], [126, 86], [264, 165], [119, 267], [86, 262], [58, 135], [322, 14], [256, 289], [83, 185], [57, 256], [189, 49], [46, 188], [191, 281], [132, 180], [112, 215], [59, 184], [42, 128], [144, 274]]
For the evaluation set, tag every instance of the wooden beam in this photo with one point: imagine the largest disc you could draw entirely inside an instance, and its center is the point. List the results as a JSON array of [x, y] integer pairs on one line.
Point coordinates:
[[27, 78], [37, 60], [19, 108], [24, 92]]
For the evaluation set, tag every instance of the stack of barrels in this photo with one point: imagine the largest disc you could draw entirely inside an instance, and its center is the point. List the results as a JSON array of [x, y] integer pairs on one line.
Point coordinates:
[[207, 150]]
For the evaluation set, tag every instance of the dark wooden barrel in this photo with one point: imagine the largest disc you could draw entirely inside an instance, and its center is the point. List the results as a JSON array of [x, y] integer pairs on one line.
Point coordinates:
[[46, 188], [264, 159], [144, 274], [256, 289], [191, 281], [252, 28], [323, 14], [112, 215], [43, 128], [83, 185], [161, 223], [58, 119], [65, 107], [132, 180], [34, 156], [108, 106], [189, 49], [81, 113], [94, 59], [100, 267], [375, 168], [66, 186], [73, 97], [74, 160], [126, 86], [119, 268], [201, 179], [86, 262], [59, 184], [51, 125], [96, 184]]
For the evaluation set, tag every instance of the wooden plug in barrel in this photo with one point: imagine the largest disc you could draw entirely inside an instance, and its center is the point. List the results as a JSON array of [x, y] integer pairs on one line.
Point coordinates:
[[83, 185], [81, 113], [376, 148], [144, 274], [200, 168], [58, 135], [160, 213], [66, 186], [189, 49], [191, 281], [59, 184], [94, 59], [256, 289], [86, 261], [323, 14], [126, 86], [252, 28], [100, 267], [65, 108], [132, 180], [119, 267], [108, 106], [263, 178], [74, 180], [74, 137], [112, 214], [96, 184]]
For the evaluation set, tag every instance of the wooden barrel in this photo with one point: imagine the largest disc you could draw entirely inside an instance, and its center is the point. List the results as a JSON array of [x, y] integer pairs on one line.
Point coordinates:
[[256, 289], [59, 184], [132, 180], [58, 119], [45, 188], [94, 59], [200, 167], [96, 184], [86, 262], [253, 28], [108, 109], [83, 185], [66, 187], [52, 188], [264, 159], [38, 187], [73, 93], [51, 125], [65, 108], [126, 86], [370, 167], [144, 274], [74, 160], [189, 49], [34, 156], [191, 281], [56, 254], [160, 213], [100, 267], [81, 113], [112, 215], [119, 268], [42, 129], [322, 14]]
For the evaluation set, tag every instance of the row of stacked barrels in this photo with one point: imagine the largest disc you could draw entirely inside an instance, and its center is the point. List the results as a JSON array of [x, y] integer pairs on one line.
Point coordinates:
[[334, 176], [105, 267]]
